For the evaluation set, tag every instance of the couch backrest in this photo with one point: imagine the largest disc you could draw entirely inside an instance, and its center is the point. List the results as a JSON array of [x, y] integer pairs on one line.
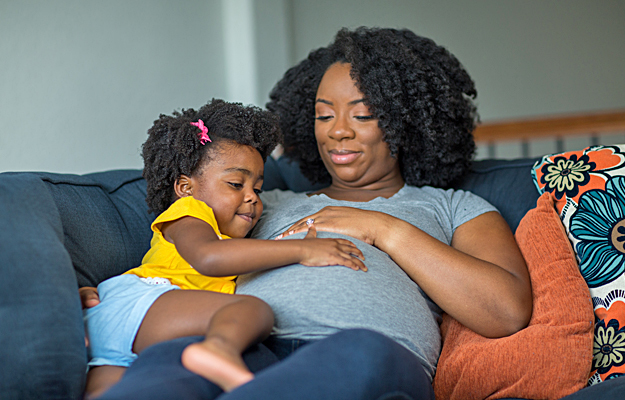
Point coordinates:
[[506, 184], [105, 221], [102, 218], [103, 224]]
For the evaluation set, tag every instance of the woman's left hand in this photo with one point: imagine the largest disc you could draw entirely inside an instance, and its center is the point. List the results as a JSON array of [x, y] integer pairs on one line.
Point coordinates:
[[360, 224]]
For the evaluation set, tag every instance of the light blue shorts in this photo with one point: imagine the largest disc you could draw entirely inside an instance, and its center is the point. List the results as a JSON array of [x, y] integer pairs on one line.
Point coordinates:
[[112, 325]]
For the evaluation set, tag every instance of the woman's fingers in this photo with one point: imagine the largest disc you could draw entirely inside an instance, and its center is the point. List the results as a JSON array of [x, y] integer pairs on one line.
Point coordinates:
[[297, 227], [312, 232], [351, 256]]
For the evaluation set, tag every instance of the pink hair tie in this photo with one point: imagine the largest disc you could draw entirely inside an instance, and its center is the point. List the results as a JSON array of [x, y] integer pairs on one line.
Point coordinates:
[[204, 134]]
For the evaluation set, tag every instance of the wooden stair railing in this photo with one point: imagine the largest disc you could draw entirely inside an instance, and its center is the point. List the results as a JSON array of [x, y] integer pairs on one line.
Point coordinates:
[[556, 127]]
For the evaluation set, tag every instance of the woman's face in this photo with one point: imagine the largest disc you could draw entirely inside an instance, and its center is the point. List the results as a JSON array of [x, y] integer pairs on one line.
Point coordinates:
[[348, 137]]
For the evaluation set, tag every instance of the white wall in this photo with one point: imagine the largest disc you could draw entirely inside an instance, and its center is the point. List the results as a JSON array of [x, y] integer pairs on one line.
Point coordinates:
[[273, 43], [81, 81], [527, 57]]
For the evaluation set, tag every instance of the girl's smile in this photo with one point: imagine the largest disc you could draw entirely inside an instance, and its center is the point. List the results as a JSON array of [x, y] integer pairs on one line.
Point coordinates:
[[249, 217]]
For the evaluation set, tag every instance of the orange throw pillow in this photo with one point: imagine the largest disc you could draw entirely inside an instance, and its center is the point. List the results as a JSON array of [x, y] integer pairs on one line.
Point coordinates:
[[549, 359]]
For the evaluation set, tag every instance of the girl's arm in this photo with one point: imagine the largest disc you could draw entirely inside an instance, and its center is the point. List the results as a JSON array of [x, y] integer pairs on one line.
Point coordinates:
[[481, 279], [198, 244]]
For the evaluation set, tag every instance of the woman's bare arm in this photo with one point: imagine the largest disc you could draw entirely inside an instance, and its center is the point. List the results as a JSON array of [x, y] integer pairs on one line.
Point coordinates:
[[481, 279]]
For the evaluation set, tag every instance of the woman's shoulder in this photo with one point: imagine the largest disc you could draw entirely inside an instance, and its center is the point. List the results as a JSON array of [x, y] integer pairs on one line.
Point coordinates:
[[432, 191], [453, 197], [427, 193]]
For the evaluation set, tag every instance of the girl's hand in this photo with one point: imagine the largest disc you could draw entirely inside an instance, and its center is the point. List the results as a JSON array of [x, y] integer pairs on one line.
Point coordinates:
[[360, 224], [323, 252], [89, 296]]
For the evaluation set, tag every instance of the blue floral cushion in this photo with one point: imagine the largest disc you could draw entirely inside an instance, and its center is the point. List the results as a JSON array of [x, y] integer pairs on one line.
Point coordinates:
[[588, 187]]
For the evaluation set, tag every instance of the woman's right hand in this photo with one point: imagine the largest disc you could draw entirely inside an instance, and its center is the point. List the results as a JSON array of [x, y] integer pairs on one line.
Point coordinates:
[[89, 296], [328, 251]]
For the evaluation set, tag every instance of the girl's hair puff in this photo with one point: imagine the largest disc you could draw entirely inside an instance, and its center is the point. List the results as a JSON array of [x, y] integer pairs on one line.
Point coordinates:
[[418, 91], [173, 146]]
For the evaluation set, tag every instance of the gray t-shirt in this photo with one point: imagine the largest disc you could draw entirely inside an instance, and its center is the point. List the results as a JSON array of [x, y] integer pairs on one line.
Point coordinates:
[[313, 302]]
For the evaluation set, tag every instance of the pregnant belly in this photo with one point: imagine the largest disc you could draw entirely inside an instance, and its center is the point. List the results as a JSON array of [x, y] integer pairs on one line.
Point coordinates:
[[313, 302]]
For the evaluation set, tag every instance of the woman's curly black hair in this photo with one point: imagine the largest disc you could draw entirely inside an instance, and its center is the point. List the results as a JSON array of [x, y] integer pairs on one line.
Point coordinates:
[[173, 147], [419, 92]]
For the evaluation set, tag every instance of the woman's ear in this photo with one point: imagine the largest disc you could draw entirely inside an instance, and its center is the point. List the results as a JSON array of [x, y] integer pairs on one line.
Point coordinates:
[[183, 186]]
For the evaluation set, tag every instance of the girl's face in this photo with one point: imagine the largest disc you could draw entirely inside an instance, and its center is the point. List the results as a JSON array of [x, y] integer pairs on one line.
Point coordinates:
[[230, 184], [348, 137]]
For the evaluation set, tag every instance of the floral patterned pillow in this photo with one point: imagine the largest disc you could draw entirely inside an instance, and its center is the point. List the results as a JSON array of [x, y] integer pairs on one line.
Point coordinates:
[[588, 187]]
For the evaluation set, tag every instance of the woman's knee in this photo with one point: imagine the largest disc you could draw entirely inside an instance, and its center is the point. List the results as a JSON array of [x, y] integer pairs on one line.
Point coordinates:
[[384, 359], [370, 348]]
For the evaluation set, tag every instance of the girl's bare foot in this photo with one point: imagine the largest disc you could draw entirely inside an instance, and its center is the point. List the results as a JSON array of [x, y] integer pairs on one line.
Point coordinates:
[[216, 361]]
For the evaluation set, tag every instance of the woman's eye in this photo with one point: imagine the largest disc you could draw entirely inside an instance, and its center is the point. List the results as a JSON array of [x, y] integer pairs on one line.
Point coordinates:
[[323, 117], [364, 117]]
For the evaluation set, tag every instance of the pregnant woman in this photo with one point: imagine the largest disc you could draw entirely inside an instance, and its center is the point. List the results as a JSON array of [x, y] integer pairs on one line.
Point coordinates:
[[384, 119]]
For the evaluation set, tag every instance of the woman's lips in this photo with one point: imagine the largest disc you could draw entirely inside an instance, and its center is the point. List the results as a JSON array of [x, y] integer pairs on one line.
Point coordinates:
[[343, 157]]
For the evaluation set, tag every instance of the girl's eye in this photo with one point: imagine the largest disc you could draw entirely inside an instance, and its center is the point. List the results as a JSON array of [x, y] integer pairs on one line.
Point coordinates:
[[323, 117], [364, 117], [235, 185], [258, 191]]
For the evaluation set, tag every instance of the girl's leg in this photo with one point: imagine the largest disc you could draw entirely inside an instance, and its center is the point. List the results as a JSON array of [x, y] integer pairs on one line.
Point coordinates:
[[101, 378], [230, 323]]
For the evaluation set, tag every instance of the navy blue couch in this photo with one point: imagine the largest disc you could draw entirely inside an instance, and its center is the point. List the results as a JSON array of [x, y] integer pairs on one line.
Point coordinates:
[[63, 231]]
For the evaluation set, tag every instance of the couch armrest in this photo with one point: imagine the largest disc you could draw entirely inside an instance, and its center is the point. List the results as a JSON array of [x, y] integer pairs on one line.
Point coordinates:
[[43, 352]]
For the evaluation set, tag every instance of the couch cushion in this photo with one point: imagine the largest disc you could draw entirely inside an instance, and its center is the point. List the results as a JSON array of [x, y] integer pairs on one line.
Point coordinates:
[[551, 357]]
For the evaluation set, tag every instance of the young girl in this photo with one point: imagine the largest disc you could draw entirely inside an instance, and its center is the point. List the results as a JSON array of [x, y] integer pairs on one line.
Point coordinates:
[[204, 172]]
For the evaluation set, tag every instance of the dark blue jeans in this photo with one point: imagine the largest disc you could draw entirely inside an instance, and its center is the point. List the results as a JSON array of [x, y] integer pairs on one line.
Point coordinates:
[[352, 364]]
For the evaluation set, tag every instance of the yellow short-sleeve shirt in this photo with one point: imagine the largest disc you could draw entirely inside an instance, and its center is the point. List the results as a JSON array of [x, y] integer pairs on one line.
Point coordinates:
[[163, 260]]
